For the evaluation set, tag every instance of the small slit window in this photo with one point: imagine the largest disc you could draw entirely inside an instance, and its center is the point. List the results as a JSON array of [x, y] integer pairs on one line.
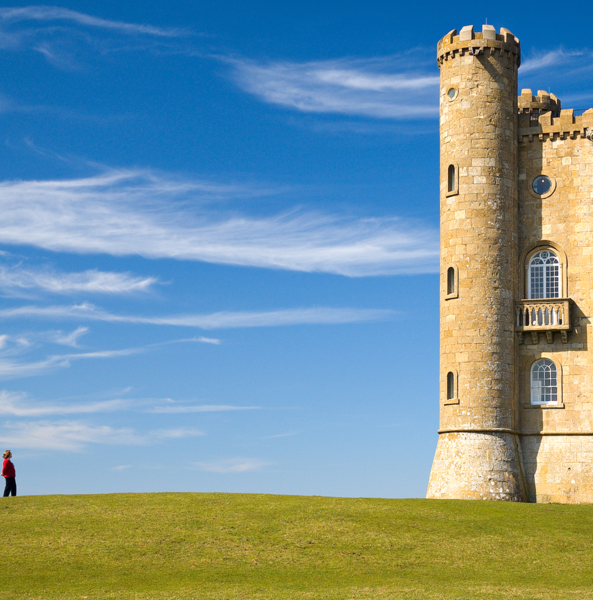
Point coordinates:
[[450, 385], [544, 382], [450, 281], [451, 179]]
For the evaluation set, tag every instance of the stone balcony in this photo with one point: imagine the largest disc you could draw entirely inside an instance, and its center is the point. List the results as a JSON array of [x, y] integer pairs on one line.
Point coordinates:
[[543, 316]]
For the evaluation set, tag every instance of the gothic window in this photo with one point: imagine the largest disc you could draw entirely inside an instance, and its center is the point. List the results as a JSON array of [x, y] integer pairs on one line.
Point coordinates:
[[544, 382], [544, 275]]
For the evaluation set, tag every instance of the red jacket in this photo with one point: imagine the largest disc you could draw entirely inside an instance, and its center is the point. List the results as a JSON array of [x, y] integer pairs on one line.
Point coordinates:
[[8, 469]]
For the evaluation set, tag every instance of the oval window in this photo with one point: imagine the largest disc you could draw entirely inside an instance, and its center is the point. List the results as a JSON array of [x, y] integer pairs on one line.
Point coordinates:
[[542, 185], [451, 92]]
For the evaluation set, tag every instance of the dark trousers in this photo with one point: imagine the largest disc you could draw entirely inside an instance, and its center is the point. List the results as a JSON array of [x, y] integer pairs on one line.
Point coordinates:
[[10, 488]]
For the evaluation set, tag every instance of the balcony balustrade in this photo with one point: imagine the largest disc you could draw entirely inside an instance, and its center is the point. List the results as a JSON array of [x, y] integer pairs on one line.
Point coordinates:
[[543, 316]]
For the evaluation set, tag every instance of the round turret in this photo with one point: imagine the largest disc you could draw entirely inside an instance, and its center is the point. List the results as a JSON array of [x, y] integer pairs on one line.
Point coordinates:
[[477, 450]]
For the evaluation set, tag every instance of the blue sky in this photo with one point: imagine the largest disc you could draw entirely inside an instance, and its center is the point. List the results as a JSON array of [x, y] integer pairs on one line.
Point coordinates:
[[219, 239]]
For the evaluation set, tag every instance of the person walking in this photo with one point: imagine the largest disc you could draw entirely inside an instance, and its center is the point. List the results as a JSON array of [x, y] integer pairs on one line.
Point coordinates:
[[9, 474]]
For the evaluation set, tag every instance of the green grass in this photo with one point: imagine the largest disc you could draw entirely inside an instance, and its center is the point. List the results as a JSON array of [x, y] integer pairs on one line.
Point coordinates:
[[236, 546]]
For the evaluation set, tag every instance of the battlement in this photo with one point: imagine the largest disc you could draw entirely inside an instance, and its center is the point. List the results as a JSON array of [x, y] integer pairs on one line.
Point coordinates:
[[478, 42], [543, 102], [547, 126]]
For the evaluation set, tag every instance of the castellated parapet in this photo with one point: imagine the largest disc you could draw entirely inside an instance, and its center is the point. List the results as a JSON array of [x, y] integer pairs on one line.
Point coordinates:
[[554, 125], [516, 285], [486, 41], [543, 102]]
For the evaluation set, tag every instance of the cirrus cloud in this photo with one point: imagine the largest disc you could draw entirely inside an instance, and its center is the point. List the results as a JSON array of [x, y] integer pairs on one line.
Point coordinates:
[[57, 13], [18, 281], [387, 88], [219, 320], [127, 212], [232, 465]]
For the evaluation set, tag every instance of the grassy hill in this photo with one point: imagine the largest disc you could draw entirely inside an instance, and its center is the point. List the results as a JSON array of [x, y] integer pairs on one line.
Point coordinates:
[[235, 546]]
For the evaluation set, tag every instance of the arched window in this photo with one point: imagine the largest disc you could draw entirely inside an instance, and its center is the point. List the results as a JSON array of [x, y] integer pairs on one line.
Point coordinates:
[[544, 382], [450, 385], [450, 281], [544, 275], [451, 179]]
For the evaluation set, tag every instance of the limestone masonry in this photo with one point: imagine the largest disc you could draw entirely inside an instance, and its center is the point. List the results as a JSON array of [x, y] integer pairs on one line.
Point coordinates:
[[516, 286]]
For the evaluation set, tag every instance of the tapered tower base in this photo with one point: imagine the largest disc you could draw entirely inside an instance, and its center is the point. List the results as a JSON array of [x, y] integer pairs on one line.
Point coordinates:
[[477, 466]]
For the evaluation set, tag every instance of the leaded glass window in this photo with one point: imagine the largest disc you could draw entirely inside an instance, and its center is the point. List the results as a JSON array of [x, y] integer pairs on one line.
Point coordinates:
[[544, 382], [544, 275]]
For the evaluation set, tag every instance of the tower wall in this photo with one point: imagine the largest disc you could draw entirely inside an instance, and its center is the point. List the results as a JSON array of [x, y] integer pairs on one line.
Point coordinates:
[[557, 440], [478, 453]]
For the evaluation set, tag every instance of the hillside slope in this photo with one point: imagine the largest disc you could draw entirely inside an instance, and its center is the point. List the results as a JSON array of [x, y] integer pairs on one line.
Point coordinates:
[[236, 546]]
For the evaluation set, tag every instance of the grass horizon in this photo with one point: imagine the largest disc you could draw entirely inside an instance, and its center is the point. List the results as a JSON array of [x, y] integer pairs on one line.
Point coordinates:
[[215, 546]]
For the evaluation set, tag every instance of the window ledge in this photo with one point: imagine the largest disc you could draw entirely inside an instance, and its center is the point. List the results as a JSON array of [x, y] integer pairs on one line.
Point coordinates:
[[544, 406]]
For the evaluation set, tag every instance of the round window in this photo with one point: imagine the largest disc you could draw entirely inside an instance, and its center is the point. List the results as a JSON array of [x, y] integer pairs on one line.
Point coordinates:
[[452, 93], [542, 185]]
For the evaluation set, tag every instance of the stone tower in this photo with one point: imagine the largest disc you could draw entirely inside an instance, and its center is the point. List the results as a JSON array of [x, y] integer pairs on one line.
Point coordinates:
[[516, 296], [478, 454]]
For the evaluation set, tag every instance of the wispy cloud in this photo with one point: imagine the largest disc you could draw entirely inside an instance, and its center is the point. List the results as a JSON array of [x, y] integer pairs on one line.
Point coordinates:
[[56, 13], [16, 281], [140, 213], [11, 369], [219, 320], [205, 340], [179, 433], [64, 435], [549, 59], [566, 72], [279, 435], [71, 435], [392, 88], [13, 345], [200, 408], [69, 339], [62, 35], [19, 405], [232, 465]]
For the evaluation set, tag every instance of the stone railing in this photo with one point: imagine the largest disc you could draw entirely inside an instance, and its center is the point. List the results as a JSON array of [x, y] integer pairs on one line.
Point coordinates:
[[543, 315]]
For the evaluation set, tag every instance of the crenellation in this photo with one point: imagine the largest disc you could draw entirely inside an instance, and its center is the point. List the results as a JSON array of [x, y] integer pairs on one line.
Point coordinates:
[[543, 102], [472, 43], [565, 126]]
